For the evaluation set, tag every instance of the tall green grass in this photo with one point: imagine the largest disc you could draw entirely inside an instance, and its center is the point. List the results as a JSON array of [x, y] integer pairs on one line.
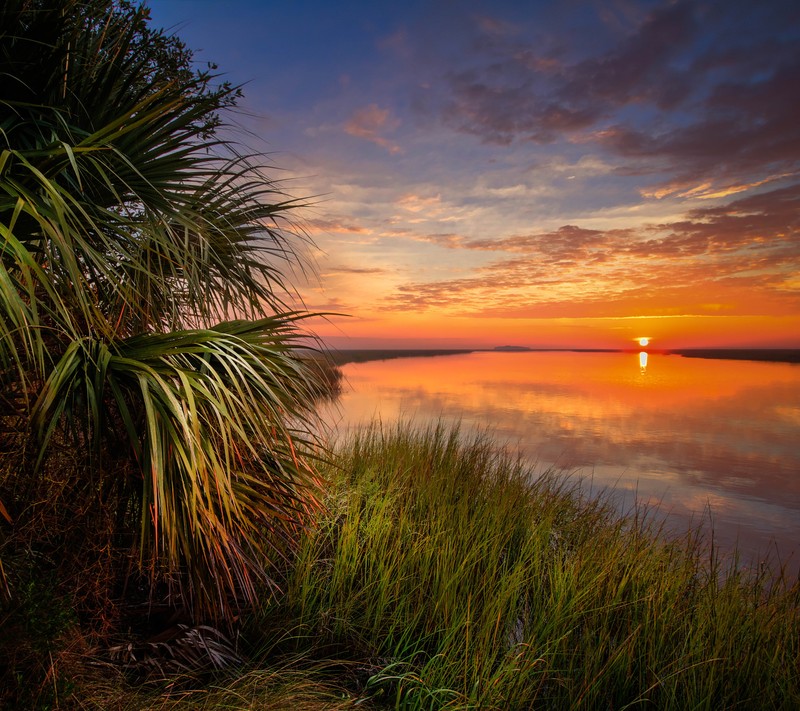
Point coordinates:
[[448, 577], [443, 575]]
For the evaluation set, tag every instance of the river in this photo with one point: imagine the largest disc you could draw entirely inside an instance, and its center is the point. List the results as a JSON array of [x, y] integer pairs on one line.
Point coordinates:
[[705, 440]]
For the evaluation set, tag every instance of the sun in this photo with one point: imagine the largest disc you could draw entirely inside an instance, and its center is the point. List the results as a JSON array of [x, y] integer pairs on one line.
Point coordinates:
[[644, 341]]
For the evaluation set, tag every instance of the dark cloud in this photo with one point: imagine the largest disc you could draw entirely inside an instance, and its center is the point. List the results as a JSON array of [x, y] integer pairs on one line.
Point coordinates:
[[702, 90], [639, 68], [746, 129], [528, 96], [769, 220]]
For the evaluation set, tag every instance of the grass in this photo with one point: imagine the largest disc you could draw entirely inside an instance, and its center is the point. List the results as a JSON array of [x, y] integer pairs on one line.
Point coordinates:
[[457, 581], [443, 576]]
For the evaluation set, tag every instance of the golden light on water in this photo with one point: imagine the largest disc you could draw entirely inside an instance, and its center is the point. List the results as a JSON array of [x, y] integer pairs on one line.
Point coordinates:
[[644, 341]]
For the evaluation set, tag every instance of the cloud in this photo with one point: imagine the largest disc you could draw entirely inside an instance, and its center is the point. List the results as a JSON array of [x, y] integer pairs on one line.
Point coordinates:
[[493, 26], [705, 191], [326, 226], [639, 69], [443, 239], [417, 203], [745, 126], [338, 270], [684, 91], [370, 123], [530, 97], [738, 258]]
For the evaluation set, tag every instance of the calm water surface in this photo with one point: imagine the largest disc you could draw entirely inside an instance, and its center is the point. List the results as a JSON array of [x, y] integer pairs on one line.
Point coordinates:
[[704, 438]]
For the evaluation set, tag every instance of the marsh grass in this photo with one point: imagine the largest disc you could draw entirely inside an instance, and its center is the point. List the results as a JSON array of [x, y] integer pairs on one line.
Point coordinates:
[[443, 575], [449, 577]]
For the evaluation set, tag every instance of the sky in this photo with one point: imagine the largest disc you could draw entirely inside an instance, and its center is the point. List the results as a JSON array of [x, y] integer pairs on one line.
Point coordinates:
[[571, 174]]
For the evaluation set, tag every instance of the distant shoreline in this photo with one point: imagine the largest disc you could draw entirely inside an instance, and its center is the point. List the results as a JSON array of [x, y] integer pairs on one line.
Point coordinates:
[[364, 355], [773, 355]]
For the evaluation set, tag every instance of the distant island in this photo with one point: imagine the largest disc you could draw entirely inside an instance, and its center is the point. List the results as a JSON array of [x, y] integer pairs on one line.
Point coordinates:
[[512, 349]]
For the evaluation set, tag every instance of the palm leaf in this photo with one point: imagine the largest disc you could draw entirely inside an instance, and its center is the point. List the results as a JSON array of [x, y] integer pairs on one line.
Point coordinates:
[[226, 481], [131, 234]]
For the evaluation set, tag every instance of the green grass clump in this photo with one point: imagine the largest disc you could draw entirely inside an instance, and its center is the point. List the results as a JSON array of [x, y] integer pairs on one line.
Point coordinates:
[[448, 577]]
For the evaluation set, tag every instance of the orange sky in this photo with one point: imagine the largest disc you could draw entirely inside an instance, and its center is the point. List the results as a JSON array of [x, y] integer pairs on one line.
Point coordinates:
[[715, 275], [543, 174], [672, 332]]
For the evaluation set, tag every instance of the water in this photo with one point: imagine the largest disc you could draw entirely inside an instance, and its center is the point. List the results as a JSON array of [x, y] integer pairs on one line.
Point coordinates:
[[704, 439]]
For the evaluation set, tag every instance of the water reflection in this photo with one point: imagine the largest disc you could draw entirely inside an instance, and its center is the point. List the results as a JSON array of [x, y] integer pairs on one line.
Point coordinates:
[[691, 435]]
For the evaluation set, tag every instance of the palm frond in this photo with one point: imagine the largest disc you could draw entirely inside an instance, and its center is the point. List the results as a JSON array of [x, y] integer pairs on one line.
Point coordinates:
[[131, 234], [226, 480]]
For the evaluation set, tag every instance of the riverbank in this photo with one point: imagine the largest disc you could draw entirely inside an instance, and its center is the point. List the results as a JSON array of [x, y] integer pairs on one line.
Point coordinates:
[[774, 355], [441, 575], [342, 357]]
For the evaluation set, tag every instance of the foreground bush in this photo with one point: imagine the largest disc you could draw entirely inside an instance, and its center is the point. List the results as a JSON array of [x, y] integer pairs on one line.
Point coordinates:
[[451, 580], [156, 416]]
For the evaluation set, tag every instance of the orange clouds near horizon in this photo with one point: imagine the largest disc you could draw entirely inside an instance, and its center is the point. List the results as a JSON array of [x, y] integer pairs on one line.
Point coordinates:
[[719, 276], [665, 333]]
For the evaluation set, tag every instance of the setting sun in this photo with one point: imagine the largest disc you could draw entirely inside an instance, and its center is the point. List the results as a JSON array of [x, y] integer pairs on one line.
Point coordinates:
[[644, 341]]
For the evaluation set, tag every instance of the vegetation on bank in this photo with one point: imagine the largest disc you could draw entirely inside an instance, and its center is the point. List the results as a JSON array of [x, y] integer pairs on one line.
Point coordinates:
[[441, 574], [774, 355], [456, 580], [344, 356]]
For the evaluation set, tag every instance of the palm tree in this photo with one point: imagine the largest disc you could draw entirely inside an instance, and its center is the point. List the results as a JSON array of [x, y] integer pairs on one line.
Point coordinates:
[[148, 356]]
